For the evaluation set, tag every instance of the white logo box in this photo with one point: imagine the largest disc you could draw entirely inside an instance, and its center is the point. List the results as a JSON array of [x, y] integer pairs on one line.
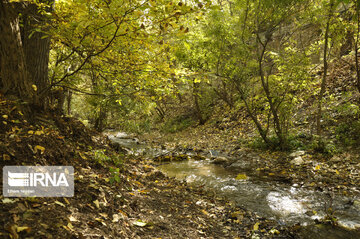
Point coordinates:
[[38, 181]]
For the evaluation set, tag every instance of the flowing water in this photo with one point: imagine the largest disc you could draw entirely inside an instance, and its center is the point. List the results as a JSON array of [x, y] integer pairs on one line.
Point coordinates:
[[288, 204]]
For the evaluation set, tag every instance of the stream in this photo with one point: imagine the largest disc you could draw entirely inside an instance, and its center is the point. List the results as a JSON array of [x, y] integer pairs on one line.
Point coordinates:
[[288, 204]]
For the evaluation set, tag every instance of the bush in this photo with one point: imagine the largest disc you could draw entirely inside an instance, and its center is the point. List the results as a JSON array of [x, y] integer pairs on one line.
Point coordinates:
[[293, 142], [177, 124], [323, 146], [348, 134]]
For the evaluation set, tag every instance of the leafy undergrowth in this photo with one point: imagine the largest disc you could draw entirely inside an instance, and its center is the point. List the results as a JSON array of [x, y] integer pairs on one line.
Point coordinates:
[[115, 196]]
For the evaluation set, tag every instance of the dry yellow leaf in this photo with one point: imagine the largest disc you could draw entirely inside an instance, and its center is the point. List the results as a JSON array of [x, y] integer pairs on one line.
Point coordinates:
[[34, 87], [241, 177], [6, 157], [20, 229], [40, 148], [39, 132], [256, 226]]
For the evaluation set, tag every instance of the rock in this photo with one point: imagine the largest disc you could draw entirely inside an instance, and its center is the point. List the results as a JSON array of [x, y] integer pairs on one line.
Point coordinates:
[[297, 160], [220, 160], [118, 147], [335, 159], [240, 165], [122, 135], [297, 154], [197, 157], [357, 203], [213, 153]]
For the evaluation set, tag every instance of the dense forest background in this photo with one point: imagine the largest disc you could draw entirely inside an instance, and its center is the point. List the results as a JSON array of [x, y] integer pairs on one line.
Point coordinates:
[[288, 67]]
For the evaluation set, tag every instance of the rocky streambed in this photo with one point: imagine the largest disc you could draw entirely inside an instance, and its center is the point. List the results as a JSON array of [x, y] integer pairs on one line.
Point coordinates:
[[271, 191]]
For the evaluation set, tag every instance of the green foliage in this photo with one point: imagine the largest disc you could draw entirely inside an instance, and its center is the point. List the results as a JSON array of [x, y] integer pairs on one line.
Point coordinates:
[[348, 133], [114, 175], [101, 158], [177, 124], [323, 146], [136, 126], [128, 58], [114, 172], [259, 143]]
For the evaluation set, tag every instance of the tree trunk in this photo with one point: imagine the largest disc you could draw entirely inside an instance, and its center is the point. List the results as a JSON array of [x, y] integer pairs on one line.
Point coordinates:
[[323, 81], [262, 132], [68, 101], [264, 82], [14, 76], [100, 120], [36, 46], [197, 105], [356, 45]]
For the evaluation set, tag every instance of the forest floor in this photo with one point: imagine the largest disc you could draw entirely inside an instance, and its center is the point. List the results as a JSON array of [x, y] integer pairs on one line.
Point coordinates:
[[137, 202]]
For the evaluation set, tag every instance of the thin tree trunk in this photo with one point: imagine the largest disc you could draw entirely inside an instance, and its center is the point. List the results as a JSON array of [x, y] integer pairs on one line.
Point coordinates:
[[68, 100], [197, 105], [278, 129], [262, 132], [356, 45], [325, 62]]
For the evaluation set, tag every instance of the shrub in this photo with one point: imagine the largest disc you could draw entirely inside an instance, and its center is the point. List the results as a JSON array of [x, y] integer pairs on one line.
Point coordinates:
[[177, 124]]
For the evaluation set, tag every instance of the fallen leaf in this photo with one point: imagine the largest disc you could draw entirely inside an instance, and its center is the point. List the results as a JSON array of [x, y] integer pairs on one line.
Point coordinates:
[[140, 223], [60, 203], [274, 231], [20, 229], [12, 230], [116, 218], [67, 201], [256, 226], [39, 132], [241, 177], [97, 204], [40, 148], [6, 157], [205, 212], [73, 219], [8, 200], [69, 225]]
